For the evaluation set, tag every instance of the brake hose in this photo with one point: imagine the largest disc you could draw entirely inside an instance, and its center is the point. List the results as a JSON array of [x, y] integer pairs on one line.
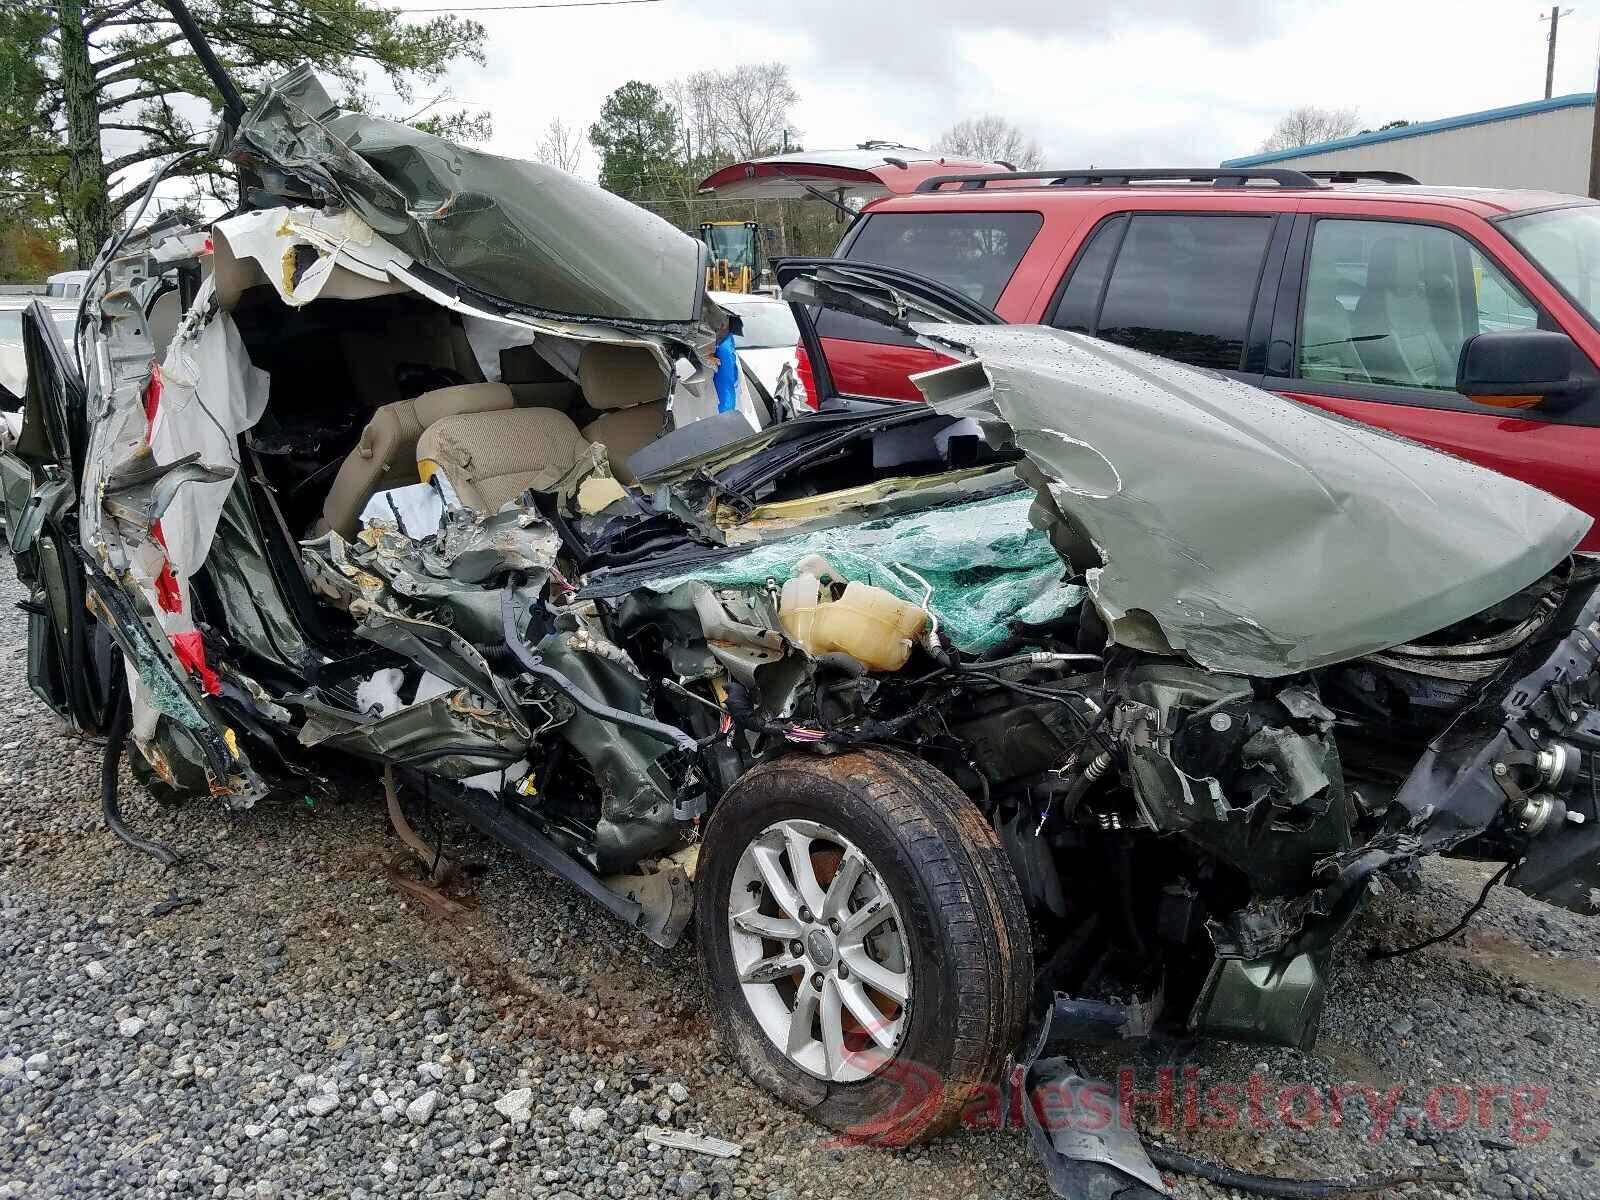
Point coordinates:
[[1168, 1159], [532, 665], [121, 719]]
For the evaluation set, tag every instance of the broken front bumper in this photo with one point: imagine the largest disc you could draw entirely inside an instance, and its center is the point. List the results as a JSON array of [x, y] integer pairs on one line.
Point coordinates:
[[1513, 779], [1514, 775]]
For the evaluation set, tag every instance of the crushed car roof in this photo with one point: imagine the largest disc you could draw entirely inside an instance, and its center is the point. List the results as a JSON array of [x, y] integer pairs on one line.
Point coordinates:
[[522, 232]]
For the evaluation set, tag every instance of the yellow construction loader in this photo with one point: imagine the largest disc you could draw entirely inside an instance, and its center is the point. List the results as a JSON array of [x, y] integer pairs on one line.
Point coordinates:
[[734, 263]]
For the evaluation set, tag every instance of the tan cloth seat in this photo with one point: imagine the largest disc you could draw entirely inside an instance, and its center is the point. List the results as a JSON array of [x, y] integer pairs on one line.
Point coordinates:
[[386, 455], [626, 431], [491, 458], [619, 376], [626, 386]]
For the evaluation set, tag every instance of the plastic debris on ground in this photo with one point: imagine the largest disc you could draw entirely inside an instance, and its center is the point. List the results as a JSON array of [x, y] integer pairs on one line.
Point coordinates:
[[696, 1144]]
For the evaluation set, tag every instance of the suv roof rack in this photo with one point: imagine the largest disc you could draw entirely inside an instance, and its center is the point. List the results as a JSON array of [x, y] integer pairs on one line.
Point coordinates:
[[1077, 177], [1363, 176]]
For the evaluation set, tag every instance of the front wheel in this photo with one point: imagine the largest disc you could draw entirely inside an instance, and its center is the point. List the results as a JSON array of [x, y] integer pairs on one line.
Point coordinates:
[[864, 942]]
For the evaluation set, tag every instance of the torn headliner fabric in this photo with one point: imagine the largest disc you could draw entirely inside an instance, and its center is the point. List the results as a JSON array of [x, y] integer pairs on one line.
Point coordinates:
[[988, 567], [1250, 532], [524, 232]]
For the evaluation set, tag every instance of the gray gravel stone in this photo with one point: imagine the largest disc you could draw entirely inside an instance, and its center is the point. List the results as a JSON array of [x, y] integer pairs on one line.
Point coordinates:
[[130, 1026], [322, 1104], [516, 1105], [420, 1110], [587, 1120]]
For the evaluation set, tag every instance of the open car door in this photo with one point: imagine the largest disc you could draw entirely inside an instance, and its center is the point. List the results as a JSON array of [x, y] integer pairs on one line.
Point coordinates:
[[885, 300], [70, 655]]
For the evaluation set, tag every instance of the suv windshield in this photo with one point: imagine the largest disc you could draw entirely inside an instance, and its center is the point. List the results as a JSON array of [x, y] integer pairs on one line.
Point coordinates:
[[1564, 243]]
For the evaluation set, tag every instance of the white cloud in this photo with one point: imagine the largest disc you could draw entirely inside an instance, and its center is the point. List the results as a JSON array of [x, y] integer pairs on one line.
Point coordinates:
[[1135, 83]]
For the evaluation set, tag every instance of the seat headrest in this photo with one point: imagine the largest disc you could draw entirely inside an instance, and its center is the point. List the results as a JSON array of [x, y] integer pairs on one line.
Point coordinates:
[[461, 398], [619, 376], [1392, 266]]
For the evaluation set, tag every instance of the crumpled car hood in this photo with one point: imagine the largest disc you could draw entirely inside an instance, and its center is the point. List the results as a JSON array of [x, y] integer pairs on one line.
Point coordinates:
[[520, 231], [1246, 531]]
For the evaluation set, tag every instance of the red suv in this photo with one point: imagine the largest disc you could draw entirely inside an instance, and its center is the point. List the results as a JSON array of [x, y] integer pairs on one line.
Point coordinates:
[[1352, 292]]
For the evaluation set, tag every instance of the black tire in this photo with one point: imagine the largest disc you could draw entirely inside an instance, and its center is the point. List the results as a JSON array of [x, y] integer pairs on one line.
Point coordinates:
[[971, 958]]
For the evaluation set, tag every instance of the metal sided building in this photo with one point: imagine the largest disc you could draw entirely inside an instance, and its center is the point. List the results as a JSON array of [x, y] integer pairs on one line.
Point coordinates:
[[1543, 144]]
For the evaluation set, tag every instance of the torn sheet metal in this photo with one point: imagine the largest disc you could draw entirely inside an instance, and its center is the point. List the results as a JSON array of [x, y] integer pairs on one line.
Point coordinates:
[[456, 735], [162, 459], [452, 570], [254, 610], [304, 254], [1275, 999], [524, 232], [188, 416], [445, 653], [1249, 532], [637, 796]]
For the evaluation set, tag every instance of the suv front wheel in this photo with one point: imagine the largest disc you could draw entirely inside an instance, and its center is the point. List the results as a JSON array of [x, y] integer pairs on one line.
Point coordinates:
[[863, 940]]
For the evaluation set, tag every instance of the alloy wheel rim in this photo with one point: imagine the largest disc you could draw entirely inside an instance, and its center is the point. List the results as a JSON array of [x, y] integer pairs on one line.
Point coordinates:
[[820, 950]]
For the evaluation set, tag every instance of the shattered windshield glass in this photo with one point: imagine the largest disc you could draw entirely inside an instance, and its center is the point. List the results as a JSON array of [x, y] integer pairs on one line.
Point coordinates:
[[523, 232]]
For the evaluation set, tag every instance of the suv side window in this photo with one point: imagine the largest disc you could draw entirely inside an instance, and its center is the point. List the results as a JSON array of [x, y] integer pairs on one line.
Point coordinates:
[[1182, 286], [1080, 299], [1391, 303], [972, 253]]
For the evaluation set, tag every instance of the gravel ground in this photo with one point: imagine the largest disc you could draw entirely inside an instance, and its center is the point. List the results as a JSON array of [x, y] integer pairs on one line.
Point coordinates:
[[276, 1019]]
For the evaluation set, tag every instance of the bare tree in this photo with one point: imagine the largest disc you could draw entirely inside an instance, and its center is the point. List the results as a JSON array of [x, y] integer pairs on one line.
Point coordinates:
[[695, 100], [752, 104], [1308, 125], [990, 138], [561, 146]]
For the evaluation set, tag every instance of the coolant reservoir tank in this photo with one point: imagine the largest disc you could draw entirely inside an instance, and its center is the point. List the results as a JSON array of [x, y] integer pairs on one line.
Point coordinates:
[[872, 625]]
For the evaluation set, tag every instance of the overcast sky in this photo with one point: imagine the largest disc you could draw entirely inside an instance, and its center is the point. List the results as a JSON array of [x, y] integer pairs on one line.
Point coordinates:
[[1125, 83]]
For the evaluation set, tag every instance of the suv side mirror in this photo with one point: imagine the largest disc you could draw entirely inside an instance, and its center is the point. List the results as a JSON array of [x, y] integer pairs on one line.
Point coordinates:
[[1517, 368]]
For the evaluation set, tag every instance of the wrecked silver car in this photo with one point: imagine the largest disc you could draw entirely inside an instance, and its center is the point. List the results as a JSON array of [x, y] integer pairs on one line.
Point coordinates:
[[1093, 694]]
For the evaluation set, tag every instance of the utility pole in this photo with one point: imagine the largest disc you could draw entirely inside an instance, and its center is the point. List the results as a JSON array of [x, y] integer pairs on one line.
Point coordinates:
[[1554, 18], [1594, 147]]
